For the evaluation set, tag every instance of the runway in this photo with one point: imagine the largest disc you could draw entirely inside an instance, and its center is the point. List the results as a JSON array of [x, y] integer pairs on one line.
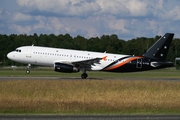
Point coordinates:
[[90, 117], [78, 78]]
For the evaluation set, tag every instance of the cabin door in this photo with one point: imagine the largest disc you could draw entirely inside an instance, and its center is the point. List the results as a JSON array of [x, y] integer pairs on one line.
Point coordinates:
[[28, 54], [139, 63]]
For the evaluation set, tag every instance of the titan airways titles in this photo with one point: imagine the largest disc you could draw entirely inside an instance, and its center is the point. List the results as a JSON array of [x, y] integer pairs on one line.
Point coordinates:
[[66, 60]]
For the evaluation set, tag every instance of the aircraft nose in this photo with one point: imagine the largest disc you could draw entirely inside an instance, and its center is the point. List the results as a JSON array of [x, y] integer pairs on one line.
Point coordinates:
[[10, 55]]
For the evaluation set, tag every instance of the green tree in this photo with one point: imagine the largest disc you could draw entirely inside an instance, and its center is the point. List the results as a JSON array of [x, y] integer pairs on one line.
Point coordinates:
[[80, 43]]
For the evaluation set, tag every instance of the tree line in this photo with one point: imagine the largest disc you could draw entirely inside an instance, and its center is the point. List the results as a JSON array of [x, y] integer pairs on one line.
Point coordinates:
[[108, 43]]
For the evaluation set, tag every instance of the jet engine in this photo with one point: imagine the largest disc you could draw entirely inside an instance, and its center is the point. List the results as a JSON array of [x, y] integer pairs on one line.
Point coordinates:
[[61, 67]]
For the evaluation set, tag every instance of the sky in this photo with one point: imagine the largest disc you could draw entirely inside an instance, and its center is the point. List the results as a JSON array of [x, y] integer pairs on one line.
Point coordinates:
[[127, 19]]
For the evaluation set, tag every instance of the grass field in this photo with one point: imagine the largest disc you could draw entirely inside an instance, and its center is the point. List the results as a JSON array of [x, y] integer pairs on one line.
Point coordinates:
[[91, 96]]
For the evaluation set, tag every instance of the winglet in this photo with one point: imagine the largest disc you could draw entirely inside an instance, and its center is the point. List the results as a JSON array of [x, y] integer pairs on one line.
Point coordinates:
[[104, 58]]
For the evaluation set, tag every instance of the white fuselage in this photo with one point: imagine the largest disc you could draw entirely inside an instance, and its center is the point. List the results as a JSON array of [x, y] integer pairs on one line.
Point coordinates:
[[47, 56]]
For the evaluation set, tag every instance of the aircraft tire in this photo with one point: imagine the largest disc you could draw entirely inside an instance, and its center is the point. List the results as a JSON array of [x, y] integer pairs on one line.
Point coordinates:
[[84, 76], [27, 71]]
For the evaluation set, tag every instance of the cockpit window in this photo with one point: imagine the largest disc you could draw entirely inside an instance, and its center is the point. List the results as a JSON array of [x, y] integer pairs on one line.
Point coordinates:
[[18, 50]]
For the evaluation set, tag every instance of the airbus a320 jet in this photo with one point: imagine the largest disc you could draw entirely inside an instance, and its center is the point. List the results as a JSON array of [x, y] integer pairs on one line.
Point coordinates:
[[66, 60]]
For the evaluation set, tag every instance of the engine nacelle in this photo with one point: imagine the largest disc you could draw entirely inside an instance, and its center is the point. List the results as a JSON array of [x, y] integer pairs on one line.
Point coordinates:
[[61, 67]]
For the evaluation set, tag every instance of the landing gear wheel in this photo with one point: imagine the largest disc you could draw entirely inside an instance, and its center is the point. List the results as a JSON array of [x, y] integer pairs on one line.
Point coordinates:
[[84, 76], [27, 71]]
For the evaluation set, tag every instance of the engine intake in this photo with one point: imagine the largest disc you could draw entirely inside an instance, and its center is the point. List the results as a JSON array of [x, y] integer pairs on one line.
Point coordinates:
[[61, 67]]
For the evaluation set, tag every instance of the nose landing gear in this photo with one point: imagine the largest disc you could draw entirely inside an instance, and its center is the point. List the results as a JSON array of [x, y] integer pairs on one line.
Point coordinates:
[[28, 69]]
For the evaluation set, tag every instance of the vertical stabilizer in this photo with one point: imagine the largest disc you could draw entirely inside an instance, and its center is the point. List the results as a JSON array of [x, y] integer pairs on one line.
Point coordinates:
[[160, 49]]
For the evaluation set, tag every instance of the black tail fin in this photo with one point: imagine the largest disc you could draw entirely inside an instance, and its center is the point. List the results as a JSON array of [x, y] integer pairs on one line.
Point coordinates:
[[160, 49]]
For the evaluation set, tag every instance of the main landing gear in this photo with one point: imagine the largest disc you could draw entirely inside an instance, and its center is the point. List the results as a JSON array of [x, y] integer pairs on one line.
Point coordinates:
[[84, 75], [28, 69]]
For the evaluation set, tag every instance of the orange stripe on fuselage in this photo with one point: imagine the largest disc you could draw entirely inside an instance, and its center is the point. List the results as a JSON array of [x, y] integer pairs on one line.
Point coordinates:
[[104, 58], [123, 63]]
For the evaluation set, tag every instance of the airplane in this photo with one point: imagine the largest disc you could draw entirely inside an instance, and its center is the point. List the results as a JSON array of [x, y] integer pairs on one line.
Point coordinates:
[[68, 60]]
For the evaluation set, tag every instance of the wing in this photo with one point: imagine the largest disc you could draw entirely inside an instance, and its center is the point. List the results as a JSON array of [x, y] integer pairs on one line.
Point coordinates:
[[88, 63]]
